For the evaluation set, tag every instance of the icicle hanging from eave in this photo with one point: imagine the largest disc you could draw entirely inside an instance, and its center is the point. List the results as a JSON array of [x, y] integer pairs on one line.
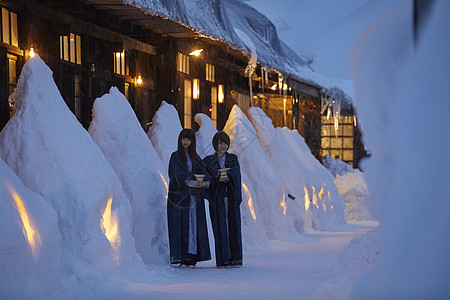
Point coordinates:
[[331, 101]]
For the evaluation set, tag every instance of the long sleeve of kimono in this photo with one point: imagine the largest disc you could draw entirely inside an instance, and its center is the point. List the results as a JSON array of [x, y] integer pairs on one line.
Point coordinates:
[[179, 171], [234, 173]]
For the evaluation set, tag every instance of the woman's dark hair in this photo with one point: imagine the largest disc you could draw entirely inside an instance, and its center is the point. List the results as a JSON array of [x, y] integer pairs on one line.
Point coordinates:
[[188, 133], [220, 136]]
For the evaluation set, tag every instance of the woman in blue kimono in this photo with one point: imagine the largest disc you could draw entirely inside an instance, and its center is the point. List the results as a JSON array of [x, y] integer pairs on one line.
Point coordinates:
[[188, 235], [225, 199]]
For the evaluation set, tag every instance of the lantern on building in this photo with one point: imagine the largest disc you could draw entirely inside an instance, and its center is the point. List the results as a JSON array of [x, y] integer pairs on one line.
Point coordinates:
[[196, 89], [220, 95]]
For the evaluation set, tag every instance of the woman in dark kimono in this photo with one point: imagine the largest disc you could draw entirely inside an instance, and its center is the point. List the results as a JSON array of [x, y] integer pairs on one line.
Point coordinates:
[[188, 235], [225, 199]]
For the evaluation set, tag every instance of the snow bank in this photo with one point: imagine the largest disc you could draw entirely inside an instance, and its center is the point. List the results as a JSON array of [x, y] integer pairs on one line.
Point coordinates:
[[352, 186], [336, 166], [409, 139], [318, 176], [306, 179], [30, 241], [117, 131], [360, 255], [55, 157], [164, 132], [204, 135], [275, 146], [253, 234], [269, 190]]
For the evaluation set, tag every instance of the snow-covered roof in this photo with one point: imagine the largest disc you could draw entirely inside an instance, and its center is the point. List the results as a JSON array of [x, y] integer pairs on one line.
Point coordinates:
[[242, 27]]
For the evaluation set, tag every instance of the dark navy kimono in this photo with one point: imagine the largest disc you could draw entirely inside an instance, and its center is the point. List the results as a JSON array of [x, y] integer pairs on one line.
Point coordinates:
[[178, 206], [224, 201]]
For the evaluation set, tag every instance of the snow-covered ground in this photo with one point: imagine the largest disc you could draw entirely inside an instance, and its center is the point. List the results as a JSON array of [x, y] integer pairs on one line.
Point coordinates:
[[314, 266]]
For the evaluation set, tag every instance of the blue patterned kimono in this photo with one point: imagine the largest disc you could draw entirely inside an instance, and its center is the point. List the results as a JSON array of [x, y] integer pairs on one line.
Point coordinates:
[[224, 206], [186, 212]]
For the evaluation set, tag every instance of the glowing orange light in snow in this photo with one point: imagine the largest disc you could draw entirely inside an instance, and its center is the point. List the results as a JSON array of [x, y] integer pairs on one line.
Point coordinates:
[[320, 194], [250, 201], [307, 200], [283, 203], [165, 183], [110, 227], [29, 230], [322, 191], [315, 201]]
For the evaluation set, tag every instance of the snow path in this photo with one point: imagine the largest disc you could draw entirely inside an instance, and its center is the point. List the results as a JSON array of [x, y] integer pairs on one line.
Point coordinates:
[[296, 269]]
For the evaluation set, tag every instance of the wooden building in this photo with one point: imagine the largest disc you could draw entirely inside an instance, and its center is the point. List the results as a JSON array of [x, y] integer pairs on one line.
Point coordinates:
[[91, 45]]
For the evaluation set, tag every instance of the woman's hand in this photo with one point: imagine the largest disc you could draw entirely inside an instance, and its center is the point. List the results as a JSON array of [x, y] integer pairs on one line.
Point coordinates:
[[200, 184]]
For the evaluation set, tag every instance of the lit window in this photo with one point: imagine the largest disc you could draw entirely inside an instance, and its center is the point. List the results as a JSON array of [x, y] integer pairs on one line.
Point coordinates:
[[12, 80], [187, 104], [9, 28], [210, 73], [214, 105], [70, 48], [121, 63], [183, 63], [196, 89]]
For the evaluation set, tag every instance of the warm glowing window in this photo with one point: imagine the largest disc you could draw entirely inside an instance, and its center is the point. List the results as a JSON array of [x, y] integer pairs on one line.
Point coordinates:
[[121, 63], [187, 104], [70, 48], [242, 100], [195, 89], [337, 138], [9, 28], [12, 79], [214, 105], [210, 73], [183, 63]]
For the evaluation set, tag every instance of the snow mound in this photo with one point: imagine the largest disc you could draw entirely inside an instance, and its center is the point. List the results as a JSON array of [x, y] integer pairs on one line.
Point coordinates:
[[352, 186], [336, 166], [253, 234], [359, 255], [269, 189], [30, 241], [56, 157], [117, 132], [204, 135], [285, 161], [326, 205], [312, 193], [164, 132]]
